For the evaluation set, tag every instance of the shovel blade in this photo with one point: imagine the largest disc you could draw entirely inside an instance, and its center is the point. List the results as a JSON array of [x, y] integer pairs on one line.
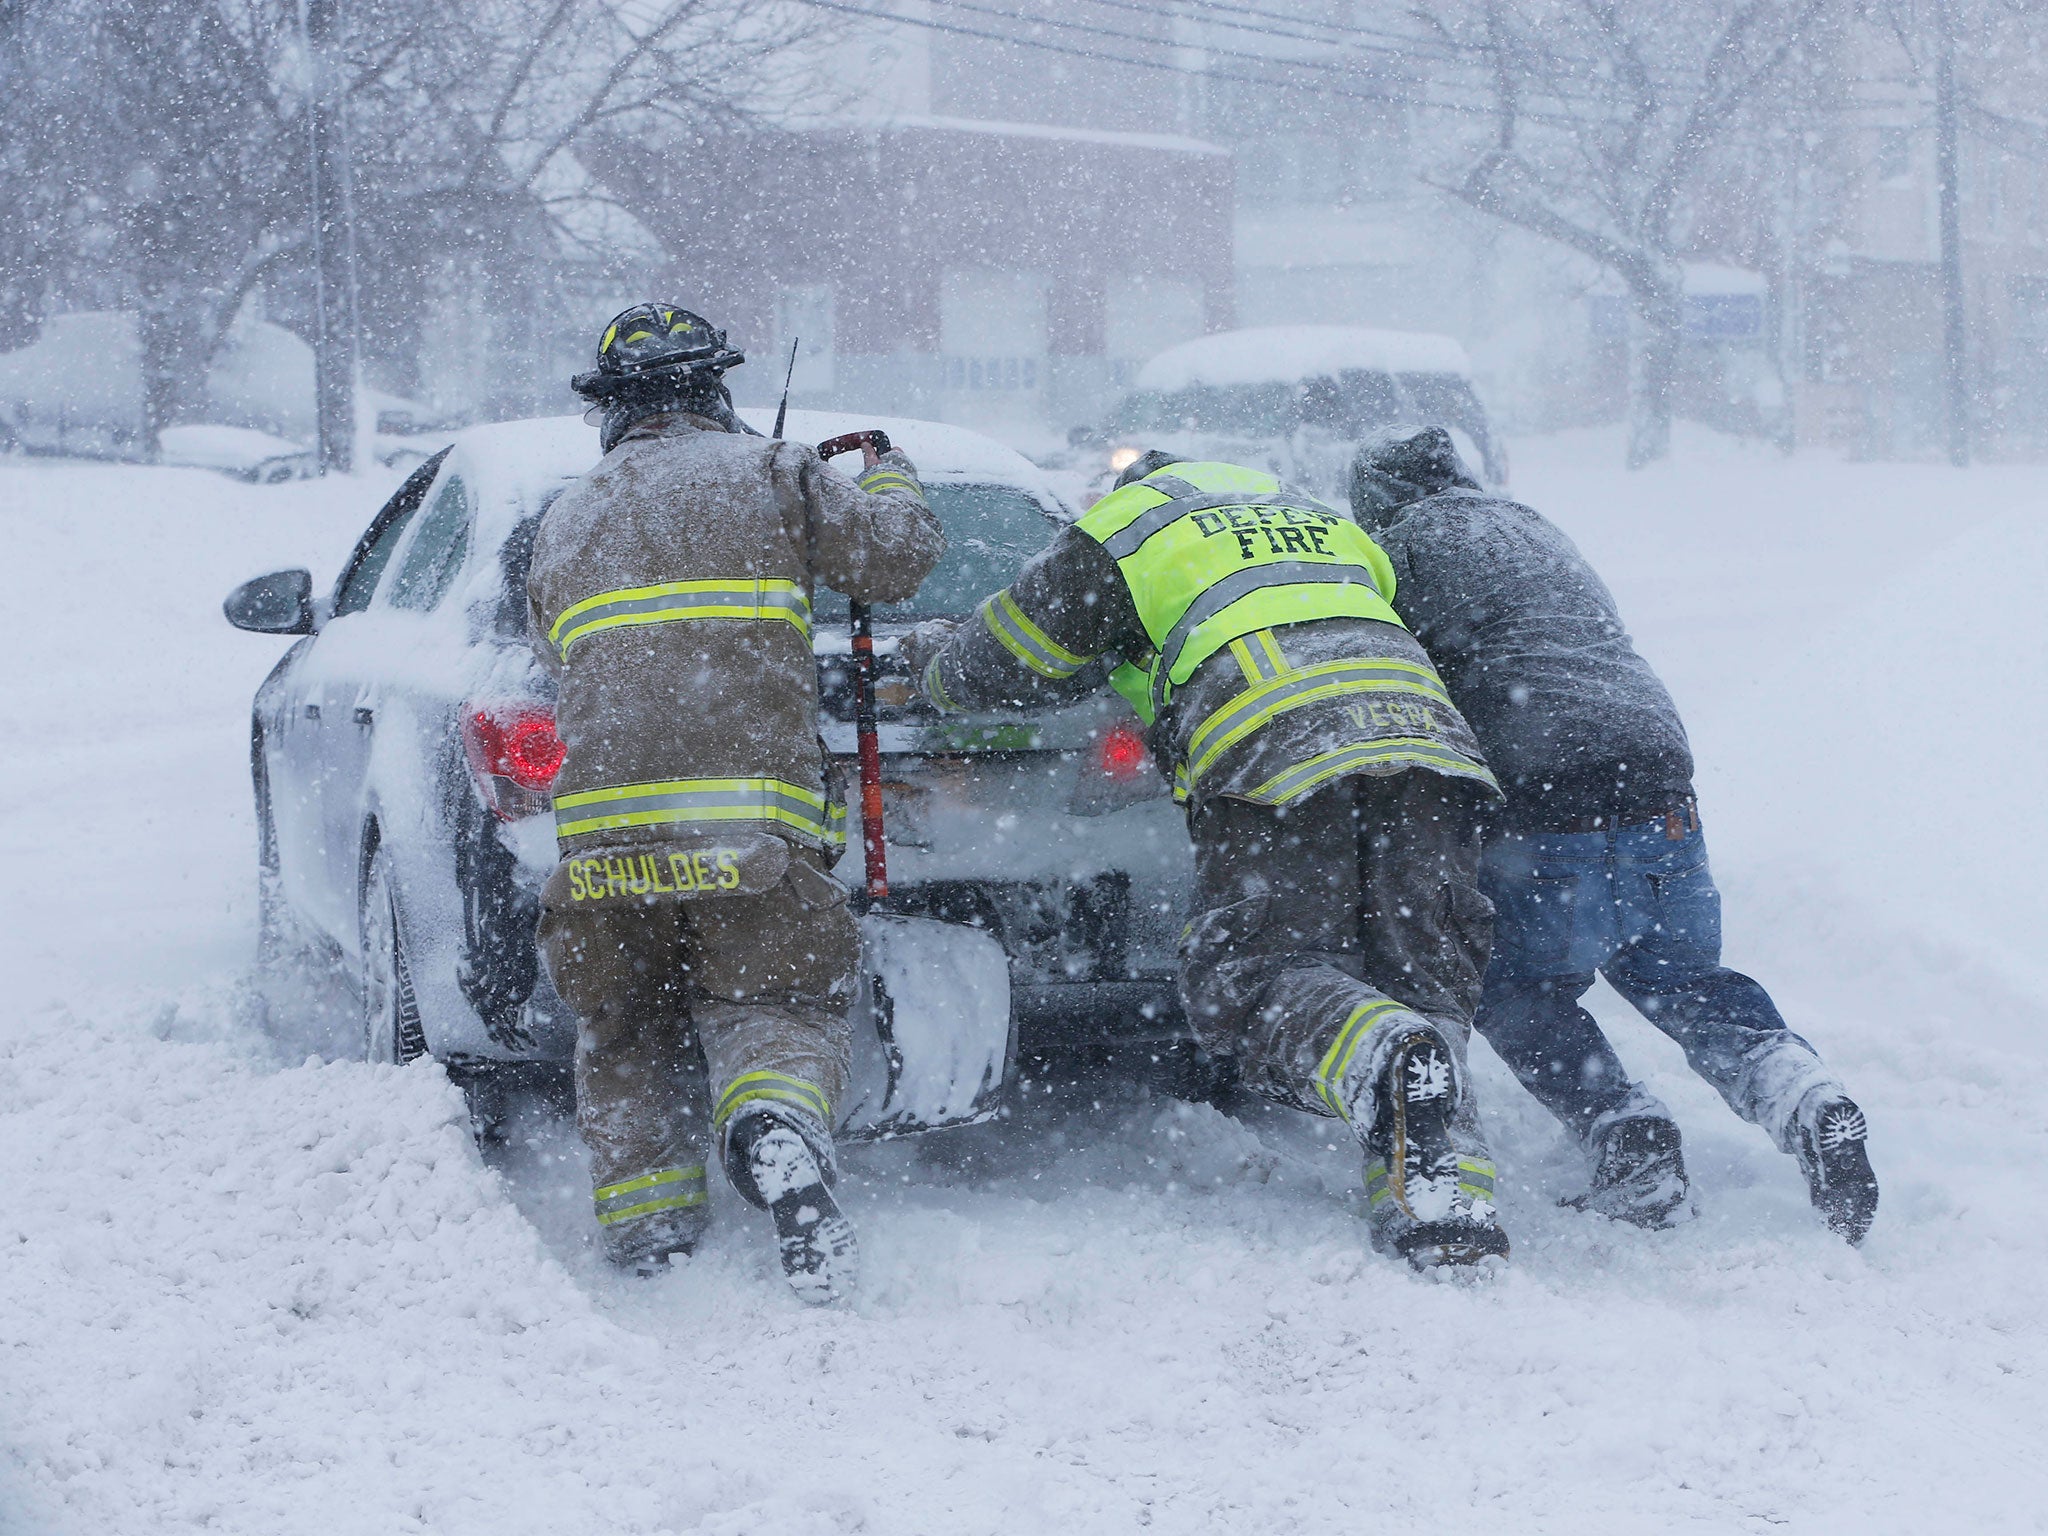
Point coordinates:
[[931, 1027]]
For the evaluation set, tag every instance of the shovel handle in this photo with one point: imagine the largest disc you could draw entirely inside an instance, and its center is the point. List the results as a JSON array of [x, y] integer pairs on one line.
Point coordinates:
[[866, 733]]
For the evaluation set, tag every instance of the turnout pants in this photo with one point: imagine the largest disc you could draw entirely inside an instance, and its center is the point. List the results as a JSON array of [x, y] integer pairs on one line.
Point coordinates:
[[1320, 920], [694, 1012]]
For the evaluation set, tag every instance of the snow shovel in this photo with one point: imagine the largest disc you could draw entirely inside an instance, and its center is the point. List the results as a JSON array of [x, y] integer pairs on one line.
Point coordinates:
[[932, 1025]]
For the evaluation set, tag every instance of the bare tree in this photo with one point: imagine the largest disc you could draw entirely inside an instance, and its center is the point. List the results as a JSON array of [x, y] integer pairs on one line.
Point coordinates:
[[163, 145], [1604, 120]]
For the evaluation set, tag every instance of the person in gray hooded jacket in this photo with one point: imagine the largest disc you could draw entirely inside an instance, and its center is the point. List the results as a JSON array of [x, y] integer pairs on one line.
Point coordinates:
[[1598, 863]]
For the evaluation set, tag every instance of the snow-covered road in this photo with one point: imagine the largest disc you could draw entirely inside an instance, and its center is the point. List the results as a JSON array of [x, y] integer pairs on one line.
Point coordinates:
[[242, 1291]]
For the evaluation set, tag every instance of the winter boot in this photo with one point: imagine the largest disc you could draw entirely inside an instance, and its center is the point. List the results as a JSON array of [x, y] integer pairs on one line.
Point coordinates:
[[648, 1220], [1829, 1135], [773, 1166], [1638, 1172], [1428, 1179]]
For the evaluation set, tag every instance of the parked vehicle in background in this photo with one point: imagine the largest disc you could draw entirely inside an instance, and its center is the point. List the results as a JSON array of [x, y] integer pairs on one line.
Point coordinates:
[[241, 453], [403, 748], [1293, 400]]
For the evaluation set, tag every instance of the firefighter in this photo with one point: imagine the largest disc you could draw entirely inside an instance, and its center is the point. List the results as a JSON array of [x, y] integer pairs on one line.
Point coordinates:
[[1332, 791], [691, 923], [1597, 862]]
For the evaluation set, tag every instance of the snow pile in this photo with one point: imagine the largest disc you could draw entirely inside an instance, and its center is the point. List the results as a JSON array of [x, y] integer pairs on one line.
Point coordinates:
[[1283, 354], [251, 1293]]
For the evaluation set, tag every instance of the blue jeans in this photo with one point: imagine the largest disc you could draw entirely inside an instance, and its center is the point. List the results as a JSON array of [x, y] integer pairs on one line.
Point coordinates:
[[1640, 908]]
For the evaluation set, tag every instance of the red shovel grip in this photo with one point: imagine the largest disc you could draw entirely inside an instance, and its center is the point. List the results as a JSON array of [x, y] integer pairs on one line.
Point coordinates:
[[866, 733]]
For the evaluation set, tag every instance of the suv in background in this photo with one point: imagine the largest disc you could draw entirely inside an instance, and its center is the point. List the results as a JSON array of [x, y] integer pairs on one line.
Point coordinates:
[[1293, 400]]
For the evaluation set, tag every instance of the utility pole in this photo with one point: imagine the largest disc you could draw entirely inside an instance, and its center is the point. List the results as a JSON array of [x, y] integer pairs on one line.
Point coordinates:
[[334, 361], [1955, 358]]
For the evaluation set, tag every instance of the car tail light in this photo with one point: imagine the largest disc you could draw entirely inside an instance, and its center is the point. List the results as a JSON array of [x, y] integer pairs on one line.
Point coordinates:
[[514, 753], [1123, 753]]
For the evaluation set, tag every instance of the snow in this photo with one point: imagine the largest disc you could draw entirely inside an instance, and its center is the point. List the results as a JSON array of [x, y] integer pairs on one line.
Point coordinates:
[[228, 448], [940, 452], [251, 1291], [1274, 354]]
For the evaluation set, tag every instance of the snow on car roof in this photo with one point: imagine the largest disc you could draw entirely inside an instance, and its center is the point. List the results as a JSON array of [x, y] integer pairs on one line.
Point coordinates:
[[1281, 354], [513, 465], [940, 451]]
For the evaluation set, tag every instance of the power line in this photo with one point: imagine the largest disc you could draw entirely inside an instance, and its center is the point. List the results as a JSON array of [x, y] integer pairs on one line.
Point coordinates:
[[1139, 37], [1047, 46]]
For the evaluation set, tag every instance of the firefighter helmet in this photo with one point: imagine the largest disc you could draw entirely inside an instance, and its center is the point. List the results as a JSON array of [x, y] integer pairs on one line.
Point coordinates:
[[651, 342]]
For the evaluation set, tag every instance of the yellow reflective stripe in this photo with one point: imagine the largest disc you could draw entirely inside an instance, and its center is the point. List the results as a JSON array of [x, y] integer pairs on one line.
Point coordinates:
[[1181, 786], [1257, 705], [611, 334], [674, 601], [693, 800], [666, 1189], [773, 1088], [1023, 639], [877, 481], [1330, 1071], [1476, 1176], [935, 690], [1415, 751]]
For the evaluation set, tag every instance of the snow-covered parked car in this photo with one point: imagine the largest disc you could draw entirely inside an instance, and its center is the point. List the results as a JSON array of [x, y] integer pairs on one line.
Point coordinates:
[[403, 748], [1293, 400], [241, 453]]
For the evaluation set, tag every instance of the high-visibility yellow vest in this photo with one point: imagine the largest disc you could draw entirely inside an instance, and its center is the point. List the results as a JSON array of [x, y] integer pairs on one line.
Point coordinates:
[[1212, 552]]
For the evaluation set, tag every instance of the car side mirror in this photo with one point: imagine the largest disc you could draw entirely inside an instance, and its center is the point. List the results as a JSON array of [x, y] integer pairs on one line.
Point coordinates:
[[278, 604]]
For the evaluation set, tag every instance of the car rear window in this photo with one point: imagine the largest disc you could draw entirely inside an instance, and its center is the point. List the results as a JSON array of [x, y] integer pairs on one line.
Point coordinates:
[[991, 531], [1351, 403]]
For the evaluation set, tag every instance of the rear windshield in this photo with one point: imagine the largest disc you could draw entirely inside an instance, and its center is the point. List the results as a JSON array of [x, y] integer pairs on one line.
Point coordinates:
[[1351, 403], [991, 531]]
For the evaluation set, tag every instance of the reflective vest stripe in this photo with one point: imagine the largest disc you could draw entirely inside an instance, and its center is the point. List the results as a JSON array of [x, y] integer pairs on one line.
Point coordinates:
[[677, 601], [1329, 1078], [1290, 690], [1022, 638], [1133, 536], [666, 1189], [1392, 751], [772, 1088], [1298, 574], [685, 801], [1259, 656]]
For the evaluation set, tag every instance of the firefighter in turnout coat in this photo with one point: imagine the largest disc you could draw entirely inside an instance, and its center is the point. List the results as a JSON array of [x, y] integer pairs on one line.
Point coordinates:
[[1332, 791], [692, 924]]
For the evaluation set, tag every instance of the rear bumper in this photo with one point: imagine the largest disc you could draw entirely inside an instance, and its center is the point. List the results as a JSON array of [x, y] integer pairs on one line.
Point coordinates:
[[1084, 1015]]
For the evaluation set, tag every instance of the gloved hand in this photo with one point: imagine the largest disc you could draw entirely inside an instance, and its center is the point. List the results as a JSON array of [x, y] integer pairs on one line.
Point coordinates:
[[916, 649], [893, 471]]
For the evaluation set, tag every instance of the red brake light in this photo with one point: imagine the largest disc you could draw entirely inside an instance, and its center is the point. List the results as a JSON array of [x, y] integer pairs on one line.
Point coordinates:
[[515, 742], [1123, 752]]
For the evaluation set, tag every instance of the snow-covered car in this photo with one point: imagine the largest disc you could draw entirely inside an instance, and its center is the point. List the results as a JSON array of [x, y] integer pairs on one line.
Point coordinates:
[[1293, 400], [403, 748], [241, 453]]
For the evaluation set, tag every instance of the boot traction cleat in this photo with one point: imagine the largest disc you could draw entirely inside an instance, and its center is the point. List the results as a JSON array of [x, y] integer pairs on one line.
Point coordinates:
[[1831, 1143], [820, 1255]]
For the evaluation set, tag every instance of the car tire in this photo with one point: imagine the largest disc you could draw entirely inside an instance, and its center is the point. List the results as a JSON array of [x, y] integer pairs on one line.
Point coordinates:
[[391, 1015]]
